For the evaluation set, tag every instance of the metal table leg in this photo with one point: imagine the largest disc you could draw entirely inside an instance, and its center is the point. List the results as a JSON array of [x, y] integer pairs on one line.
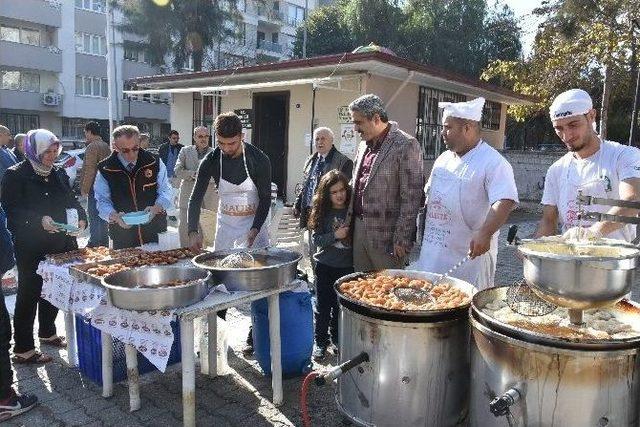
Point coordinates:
[[133, 378], [188, 373], [107, 364], [70, 333], [274, 341], [212, 348]]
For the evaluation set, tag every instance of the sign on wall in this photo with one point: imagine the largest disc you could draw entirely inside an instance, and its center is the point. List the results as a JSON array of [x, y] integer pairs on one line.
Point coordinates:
[[343, 114], [349, 139], [246, 115]]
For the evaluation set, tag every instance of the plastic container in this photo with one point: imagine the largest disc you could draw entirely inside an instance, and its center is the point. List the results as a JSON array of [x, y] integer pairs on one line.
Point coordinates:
[[136, 218], [90, 353], [296, 333]]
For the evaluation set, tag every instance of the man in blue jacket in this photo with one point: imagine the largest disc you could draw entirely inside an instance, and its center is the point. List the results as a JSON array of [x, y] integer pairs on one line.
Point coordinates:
[[11, 403]]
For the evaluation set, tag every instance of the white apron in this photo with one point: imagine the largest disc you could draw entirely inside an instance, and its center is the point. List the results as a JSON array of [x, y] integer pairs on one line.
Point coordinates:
[[447, 235], [597, 185], [237, 206]]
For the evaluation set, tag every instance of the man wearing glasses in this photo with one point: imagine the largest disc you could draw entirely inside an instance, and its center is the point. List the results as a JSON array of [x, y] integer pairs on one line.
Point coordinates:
[[129, 180]]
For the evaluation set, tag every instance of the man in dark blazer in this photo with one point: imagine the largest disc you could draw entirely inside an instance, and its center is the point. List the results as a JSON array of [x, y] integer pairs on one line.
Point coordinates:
[[326, 158]]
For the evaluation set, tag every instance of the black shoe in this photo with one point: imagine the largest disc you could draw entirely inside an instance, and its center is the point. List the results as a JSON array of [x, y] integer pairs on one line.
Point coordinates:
[[248, 350], [172, 218], [319, 352], [16, 405]]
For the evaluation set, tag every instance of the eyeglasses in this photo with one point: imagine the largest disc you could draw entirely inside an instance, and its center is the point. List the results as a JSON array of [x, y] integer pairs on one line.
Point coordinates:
[[128, 150]]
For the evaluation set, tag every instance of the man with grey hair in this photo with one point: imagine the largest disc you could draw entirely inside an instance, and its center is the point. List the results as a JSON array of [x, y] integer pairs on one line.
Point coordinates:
[[132, 179], [387, 188], [7, 159], [18, 146], [186, 170], [326, 158]]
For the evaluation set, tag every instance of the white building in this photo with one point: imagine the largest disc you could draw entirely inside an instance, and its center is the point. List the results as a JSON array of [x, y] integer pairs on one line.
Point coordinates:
[[53, 66]]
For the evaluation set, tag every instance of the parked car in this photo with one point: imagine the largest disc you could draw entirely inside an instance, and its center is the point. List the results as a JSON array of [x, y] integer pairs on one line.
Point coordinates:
[[72, 162], [72, 144]]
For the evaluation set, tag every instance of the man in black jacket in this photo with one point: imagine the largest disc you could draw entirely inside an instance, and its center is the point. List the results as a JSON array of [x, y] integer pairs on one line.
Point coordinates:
[[168, 152], [132, 179], [326, 158]]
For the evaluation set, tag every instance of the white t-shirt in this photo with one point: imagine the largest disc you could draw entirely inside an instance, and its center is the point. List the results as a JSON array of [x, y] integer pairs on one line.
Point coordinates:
[[598, 175], [486, 178]]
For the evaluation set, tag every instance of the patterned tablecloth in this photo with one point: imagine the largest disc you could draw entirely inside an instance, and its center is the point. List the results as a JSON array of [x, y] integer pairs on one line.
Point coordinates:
[[149, 331]]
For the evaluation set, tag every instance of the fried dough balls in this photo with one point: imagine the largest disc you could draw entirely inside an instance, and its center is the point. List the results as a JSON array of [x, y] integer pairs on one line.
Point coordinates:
[[377, 290]]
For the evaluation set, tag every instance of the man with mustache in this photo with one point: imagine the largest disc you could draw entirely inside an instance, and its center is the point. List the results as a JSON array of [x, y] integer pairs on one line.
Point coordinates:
[[594, 166]]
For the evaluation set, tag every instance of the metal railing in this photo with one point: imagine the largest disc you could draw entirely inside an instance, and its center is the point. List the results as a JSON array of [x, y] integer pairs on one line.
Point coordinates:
[[271, 14], [270, 46]]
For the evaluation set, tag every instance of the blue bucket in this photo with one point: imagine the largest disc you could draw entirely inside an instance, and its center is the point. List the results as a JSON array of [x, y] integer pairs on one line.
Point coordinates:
[[296, 333]]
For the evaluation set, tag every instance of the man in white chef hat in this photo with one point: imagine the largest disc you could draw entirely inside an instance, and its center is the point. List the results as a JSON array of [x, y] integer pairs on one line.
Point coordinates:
[[597, 167], [470, 194]]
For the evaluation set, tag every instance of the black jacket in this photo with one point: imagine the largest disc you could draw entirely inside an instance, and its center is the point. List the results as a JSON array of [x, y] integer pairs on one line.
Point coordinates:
[[27, 197], [163, 151], [334, 160], [130, 192]]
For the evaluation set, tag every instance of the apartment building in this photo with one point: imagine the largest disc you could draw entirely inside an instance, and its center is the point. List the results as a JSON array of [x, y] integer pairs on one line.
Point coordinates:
[[53, 65]]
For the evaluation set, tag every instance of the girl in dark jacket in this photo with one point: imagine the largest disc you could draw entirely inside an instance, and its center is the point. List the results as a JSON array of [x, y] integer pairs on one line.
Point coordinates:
[[35, 194]]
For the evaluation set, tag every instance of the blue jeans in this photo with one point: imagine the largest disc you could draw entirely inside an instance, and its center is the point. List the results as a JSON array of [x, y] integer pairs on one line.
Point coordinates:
[[98, 228]]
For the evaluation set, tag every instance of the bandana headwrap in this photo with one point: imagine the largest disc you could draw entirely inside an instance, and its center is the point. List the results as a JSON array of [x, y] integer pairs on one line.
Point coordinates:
[[35, 144]]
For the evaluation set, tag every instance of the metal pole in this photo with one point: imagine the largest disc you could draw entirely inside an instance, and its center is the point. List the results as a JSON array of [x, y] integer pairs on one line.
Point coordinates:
[[313, 117], [304, 29], [273, 302], [133, 377], [107, 364], [636, 100], [109, 68]]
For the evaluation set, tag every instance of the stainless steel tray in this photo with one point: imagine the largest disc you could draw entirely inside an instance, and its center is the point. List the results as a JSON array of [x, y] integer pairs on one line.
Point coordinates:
[[125, 292], [280, 270]]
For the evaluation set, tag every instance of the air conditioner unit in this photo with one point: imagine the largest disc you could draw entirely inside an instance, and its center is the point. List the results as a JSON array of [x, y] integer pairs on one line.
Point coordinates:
[[51, 99]]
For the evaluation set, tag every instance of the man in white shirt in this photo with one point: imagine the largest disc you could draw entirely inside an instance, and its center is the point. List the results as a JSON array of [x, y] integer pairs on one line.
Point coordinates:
[[470, 194], [597, 167]]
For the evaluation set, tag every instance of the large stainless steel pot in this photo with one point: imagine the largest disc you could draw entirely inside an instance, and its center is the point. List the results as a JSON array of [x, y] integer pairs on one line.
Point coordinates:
[[280, 269], [125, 291], [517, 382], [418, 368], [580, 282]]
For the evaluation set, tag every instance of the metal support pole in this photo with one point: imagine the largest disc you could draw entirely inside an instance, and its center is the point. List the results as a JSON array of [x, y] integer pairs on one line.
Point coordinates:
[[107, 364], [188, 373], [109, 67], [636, 99], [212, 341], [70, 332], [274, 342], [313, 116], [133, 378], [304, 29]]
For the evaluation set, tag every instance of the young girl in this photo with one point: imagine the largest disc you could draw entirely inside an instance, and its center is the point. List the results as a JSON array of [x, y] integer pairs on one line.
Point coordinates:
[[333, 254]]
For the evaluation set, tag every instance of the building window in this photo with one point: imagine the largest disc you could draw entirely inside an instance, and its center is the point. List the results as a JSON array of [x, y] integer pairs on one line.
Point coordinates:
[[20, 35], [137, 55], [295, 15], [429, 120], [73, 128], [20, 123], [20, 80], [91, 86], [274, 37], [491, 115], [93, 5], [231, 61], [91, 44]]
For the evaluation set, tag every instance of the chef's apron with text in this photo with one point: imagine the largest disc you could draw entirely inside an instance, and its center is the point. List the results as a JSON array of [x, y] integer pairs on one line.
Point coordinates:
[[237, 206], [447, 235]]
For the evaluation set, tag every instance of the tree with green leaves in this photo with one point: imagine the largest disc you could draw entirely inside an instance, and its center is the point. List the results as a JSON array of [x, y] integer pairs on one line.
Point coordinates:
[[329, 22], [180, 29]]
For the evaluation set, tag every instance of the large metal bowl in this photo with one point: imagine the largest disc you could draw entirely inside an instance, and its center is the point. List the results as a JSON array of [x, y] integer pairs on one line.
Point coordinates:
[[580, 281], [125, 291], [280, 269]]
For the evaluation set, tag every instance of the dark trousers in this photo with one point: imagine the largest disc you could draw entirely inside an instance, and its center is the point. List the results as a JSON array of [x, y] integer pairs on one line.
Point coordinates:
[[6, 374], [327, 312], [98, 229], [27, 301]]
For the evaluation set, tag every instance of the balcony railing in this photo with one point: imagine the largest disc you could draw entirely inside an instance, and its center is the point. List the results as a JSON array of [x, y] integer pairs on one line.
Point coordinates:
[[271, 14], [269, 46]]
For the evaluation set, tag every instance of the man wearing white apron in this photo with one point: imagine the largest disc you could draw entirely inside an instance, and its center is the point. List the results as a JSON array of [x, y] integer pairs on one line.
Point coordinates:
[[242, 174], [470, 194], [597, 167]]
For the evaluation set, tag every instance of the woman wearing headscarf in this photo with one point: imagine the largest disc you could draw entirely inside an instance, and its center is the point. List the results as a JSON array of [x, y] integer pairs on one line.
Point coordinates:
[[35, 195]]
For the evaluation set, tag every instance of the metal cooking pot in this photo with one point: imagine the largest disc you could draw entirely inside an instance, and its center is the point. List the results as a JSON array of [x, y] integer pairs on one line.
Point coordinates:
[[280, 269], [125, 292], [580, 282]]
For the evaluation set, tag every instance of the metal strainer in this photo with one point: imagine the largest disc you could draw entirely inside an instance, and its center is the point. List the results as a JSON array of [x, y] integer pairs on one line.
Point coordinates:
[[521, 299], [238, 259]]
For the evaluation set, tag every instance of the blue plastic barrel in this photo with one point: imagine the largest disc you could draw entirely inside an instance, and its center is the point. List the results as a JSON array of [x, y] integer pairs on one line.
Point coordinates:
[[296, 333]]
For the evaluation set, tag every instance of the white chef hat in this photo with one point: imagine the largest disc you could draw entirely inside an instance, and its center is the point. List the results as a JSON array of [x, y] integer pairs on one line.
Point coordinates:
[[573, 102], [470, 110]]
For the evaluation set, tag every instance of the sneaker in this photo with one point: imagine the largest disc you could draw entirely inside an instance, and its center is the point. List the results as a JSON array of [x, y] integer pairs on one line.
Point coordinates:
[[319, 352], [16, 404]]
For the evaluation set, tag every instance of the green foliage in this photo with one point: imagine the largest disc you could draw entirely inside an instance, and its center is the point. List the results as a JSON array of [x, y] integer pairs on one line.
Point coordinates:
[[335, 36], [181, 29]]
